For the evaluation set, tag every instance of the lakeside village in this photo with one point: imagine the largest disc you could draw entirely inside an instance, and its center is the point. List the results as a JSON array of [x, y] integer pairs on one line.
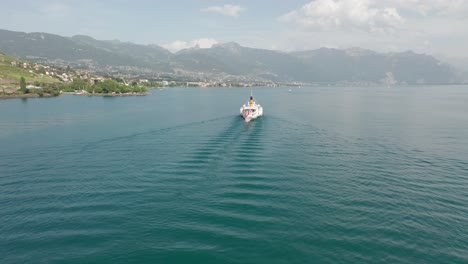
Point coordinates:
[[37, 80]]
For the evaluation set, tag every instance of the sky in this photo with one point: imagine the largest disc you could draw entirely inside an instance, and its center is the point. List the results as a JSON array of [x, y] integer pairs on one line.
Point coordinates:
[[424, 26]]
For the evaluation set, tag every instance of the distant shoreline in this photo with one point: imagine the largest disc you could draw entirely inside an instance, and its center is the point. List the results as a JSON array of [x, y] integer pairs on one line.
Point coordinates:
[[23, 96], [19, 96], [110, 94]]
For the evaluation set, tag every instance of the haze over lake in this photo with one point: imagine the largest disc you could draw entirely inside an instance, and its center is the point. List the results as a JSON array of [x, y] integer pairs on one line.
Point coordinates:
[[327, 175]]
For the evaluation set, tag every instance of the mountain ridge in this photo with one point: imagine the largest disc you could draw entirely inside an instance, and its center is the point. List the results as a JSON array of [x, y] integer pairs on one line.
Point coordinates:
[[224, 60]]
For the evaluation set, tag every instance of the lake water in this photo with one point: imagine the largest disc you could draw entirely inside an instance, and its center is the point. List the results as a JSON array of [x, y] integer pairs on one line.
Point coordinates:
[[328, 175]]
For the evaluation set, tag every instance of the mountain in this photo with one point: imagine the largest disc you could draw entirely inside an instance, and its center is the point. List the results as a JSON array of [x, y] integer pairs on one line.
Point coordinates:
[[318, 66], [147, 56], [460, 63], [333, 65], [230, 60], [233, 59], [82, 51]]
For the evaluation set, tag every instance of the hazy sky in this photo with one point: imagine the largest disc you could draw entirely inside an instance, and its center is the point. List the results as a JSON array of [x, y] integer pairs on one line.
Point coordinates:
[[429, 26]]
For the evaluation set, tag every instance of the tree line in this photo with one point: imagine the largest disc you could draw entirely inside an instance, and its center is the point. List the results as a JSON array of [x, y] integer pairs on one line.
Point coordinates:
[[107, 86], [104, 87], [52, 89]]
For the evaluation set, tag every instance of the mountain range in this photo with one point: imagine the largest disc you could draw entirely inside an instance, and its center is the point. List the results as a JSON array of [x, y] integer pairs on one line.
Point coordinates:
[[227, 60]]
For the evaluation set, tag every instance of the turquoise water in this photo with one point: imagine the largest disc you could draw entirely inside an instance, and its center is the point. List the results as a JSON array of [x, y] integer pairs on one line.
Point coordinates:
[[328, 175]]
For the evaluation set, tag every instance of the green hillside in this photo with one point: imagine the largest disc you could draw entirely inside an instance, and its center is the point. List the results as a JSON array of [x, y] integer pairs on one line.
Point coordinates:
[[11, 70]]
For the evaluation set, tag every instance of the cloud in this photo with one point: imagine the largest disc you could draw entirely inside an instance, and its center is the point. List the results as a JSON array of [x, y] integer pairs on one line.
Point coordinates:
[[429, 7], [202, 43], [344, 14], [226, 10], [426, 26], [176, 45]]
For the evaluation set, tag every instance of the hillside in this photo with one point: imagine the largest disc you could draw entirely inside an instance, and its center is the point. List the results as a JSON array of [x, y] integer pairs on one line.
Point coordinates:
[[230, 60], [12, 69], [334, 65], [79, 51]]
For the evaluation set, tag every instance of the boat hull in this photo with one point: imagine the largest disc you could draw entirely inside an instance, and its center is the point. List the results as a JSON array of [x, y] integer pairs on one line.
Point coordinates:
[[251, 113]]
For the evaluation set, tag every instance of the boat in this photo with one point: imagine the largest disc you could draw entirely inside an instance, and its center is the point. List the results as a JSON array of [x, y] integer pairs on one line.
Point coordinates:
[[251, 110]]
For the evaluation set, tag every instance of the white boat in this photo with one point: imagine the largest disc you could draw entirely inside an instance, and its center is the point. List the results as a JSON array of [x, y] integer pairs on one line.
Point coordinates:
[[251, 110]]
